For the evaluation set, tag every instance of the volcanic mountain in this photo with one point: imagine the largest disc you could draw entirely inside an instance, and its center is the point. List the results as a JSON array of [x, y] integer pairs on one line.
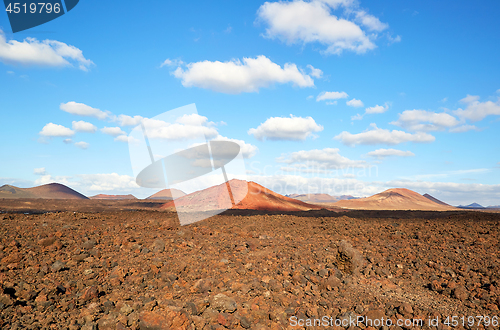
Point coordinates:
[[113, 197], [167, 194], [46, 191], [314, 198], [434, 199], [471, 206], [252, 195], [394, 199]]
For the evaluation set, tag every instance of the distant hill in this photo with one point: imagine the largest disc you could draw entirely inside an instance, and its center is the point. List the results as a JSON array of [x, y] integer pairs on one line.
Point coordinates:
[[256, 198], [493, 207], [167, 194], [314, 198], [46, 191], [394, 199], [320, 198], [434, 199], [471, 206], [113, 197], [8, 191]]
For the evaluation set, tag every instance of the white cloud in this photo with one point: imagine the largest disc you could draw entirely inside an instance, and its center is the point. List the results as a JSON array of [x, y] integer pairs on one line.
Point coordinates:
[[235, 76], [284, 128], [470, 99], [370, 21], [158, 129], [45, 53], [316, 73], [422, 120], [192, 119], [47, 178], [113, 131], [382, 153], [393, 40], [331, 96], [382, 136], [357, 117], [53, 130], [68, 141], [83, 126], [247, 150], [82, 145], [331, 102], [377, 109], [463, 128], [39, 171], [301, 22], [475, 110], [124, 120], [122, 138], [107, 182], [355, 103], [169, 62], [81, 109], [325, 159]]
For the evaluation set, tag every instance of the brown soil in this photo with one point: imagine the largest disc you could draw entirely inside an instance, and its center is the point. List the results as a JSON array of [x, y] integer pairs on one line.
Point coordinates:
[[244, 269]]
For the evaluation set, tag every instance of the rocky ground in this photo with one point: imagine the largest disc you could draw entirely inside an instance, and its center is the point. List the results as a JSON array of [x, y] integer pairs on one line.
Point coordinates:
[[140, 270]]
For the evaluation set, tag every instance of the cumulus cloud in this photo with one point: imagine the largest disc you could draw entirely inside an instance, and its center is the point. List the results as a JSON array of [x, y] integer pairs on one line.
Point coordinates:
[[331, 96], [193, 119], [377, 135], [186, 128], [316, 73], [284, 128], [124, 120], [55, 130], [382, 153], [247, 150], [463, 128], [81, 109], [113, 131], [475, 110], [50, 53], [371, 22], [422, 120], [302, 22], [377, 109], [355, 103], [68, 141], [357, 117], [83, 126], [82, 145], [317, 160], [108, 181], [392, 39], [39, 171], [169, 62], [235, 76]]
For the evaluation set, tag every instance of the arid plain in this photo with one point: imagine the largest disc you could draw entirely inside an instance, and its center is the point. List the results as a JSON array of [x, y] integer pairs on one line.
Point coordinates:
[[124, 263]]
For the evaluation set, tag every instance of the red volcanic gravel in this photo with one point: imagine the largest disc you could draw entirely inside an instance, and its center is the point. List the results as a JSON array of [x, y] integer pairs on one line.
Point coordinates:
[[140, 270]]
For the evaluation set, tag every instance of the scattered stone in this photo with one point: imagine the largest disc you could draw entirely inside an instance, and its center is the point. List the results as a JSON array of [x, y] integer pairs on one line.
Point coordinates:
[[223, 303]]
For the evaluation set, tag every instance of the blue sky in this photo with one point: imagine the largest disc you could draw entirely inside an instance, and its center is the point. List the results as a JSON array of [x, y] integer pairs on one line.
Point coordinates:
[[332, 96]]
